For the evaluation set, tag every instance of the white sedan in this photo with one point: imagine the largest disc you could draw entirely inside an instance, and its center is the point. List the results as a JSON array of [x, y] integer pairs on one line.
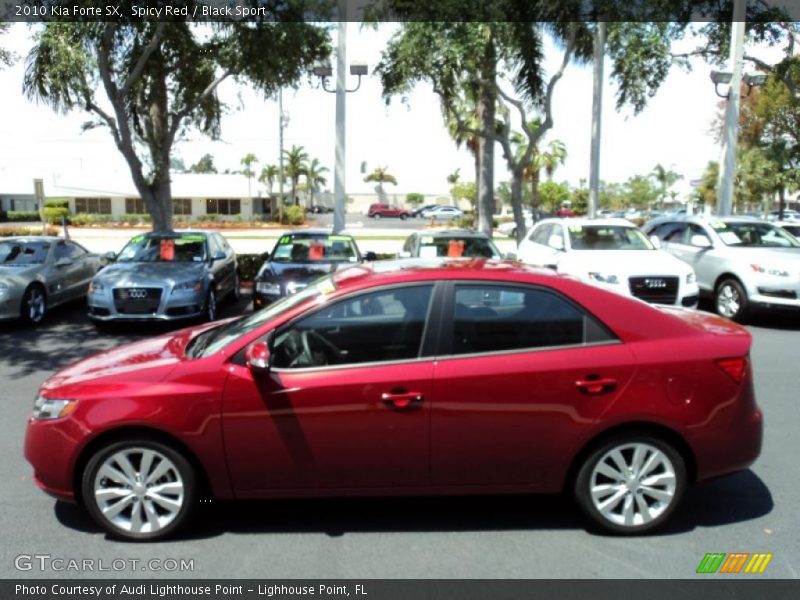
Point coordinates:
[[442, 212], [613, 254]]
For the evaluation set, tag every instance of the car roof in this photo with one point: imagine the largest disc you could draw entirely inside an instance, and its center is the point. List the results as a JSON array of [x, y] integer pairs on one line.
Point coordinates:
[[314, 231], [616, 222], [470, 233], [31, 238], [178, 232]]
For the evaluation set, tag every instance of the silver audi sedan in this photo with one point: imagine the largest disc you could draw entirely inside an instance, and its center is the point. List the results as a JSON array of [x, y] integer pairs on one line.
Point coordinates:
[[40, 272], [165, 277]]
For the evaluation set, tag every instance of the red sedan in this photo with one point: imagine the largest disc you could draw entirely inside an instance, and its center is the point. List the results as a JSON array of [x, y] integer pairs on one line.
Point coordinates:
[[420, 377]]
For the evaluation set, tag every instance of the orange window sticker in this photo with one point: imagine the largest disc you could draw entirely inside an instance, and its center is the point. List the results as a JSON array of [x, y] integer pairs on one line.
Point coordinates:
[[455, 248], [167, 249], [316, 251]]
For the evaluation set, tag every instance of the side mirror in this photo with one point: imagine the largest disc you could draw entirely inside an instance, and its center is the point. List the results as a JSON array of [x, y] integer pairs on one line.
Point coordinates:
[[556, 241], [656, 241], [218, 256], [700, 241], [257, 357], [370, 256], [405, 254], [109, 256], [64, 262]]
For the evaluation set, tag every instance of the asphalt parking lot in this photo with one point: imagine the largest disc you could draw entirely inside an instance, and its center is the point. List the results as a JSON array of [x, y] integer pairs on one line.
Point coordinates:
[[491, 537]]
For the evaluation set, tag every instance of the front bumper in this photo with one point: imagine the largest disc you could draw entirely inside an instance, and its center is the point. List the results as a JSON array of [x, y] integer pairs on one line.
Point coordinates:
[[173, 306], [277, 290], [51, 447]]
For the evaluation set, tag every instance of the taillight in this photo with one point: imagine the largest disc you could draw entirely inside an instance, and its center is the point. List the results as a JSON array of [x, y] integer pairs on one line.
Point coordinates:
[[735, 368]]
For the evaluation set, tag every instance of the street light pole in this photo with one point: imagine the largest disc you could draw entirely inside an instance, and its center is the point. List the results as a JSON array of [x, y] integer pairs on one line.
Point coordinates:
[[727, 171], [341, 95], [597, 110], [281, 125]]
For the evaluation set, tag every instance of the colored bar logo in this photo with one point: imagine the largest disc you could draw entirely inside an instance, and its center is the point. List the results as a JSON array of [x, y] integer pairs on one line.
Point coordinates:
[[734, 563]]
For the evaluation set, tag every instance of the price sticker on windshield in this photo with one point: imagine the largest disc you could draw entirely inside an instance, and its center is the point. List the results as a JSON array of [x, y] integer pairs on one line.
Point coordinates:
[[167, 250]]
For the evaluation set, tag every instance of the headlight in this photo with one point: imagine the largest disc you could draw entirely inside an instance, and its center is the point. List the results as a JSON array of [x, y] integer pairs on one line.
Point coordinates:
[[267, 287], [51, 408], [691, 277], [766, 270], [95, 287], [194, 285], [293, 287], [603, 278]]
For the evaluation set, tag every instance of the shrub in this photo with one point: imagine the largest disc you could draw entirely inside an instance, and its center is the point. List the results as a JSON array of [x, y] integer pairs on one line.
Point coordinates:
[[248, 266], [84, 219], [415, 199], [20, 231], [20, 216], [54, 215], [294, 215], [208, 217], [133, 218], [56, 203]]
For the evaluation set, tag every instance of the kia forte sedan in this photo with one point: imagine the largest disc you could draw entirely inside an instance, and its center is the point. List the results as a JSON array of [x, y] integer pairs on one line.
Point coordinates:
[[409, 377], [165, 277]]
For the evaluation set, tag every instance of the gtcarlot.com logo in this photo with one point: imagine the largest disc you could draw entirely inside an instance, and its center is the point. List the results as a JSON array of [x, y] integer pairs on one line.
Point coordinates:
[[734, 563]]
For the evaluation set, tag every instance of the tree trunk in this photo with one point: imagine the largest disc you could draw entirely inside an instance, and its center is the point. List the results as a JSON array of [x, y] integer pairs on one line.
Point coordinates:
[[516, 205], [535, 202], [476, 153], [487, 105], [158, 201], [781, 202]]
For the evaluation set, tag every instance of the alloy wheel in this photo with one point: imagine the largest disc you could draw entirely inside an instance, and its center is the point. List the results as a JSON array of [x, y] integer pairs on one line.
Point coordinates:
[[211, 306], [633, 484], [139, 490], [729, 302], [35, 305]]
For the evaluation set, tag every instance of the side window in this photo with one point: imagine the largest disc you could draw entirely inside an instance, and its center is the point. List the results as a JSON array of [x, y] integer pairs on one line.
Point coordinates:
[[673, 234], [557, 230], [541, 234], [493, 318], [693, 230], [213, 246], [409, 245], [222, 243], [69, 250], [380, 326]]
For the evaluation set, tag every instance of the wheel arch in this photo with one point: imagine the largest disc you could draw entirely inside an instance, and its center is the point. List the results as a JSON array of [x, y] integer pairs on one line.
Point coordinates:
[[138, 432], [662, 432], [727, 275]]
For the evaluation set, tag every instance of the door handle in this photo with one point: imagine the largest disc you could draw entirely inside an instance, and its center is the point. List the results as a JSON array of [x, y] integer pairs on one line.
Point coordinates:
[[594, 385], [401, 398]]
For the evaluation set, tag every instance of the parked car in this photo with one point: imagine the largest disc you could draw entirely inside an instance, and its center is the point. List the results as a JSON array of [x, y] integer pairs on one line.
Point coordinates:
[[165, 277], [38, 273], [378, 211], [613, 254], [742, 263], [509, 228], [442, 213], [788, 215], [300, 257], [452, 243], [319, 209], [792, 227], [469, 376], [418, 212]]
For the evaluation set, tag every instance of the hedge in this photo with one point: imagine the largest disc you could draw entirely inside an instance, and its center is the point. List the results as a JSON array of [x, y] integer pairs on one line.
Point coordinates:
[[54, 215], [25, 231], [56, 204], [82, 219], [20, 216]]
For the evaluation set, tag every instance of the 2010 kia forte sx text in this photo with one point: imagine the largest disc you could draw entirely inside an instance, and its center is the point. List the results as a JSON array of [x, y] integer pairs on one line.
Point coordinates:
[[409, 377]]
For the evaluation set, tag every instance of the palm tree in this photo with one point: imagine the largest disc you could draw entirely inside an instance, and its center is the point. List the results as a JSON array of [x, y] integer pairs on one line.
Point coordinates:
[[554, 157], [666, 179], [294, 167], [268, 176], [314, 178], [247, 162], [381, 175], [452, 179]]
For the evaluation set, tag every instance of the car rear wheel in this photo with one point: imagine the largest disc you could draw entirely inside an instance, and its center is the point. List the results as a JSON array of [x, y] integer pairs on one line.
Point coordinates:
[[33, 308], [211, 305], [403, 217], [237, 292], [631, 484], [139, 489], [730, 300], [376, 216]]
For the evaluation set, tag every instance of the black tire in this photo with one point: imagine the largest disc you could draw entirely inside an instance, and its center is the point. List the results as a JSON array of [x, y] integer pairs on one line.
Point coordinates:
[[237, 292], [187, 477], [730, 300], [210, 313], [376, 216], [33, 307], [674, 467], [403, 217]]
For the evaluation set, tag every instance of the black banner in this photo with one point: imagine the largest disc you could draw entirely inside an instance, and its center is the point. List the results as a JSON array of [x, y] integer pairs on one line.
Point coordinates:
[[705, 587]]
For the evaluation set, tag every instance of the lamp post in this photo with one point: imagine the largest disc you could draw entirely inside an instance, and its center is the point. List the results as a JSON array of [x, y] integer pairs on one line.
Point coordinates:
[[283, 121], [324, 72]]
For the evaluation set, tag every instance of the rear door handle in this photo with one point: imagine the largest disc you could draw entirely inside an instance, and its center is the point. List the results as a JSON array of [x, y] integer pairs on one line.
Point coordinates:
[[402, 399], [594, 385]]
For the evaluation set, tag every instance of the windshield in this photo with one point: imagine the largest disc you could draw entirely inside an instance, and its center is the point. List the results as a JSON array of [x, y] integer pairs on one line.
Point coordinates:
[[165, 248], [607, 237], [23, 253], [306, 248], [209, 342], [454, 247], [753, 235]]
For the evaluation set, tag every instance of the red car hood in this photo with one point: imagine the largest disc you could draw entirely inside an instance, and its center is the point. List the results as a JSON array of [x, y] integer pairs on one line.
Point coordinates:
[[156, 356]]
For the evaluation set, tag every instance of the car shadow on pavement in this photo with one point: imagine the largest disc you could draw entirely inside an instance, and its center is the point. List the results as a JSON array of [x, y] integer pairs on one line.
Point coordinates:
[[738, 498], [68, 335]]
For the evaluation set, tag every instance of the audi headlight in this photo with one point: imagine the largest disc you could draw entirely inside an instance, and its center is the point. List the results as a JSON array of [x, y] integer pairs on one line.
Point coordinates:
[[691, 277], [603, 278], [52, 408], [195, 285], [768, 271], [268, 287]]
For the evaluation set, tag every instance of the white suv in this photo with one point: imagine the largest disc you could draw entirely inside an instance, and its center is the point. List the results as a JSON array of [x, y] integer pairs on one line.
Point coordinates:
[[613, 254]]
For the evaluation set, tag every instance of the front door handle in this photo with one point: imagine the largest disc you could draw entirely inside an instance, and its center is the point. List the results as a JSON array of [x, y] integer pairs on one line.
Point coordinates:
[[594, 385], [401, 398]]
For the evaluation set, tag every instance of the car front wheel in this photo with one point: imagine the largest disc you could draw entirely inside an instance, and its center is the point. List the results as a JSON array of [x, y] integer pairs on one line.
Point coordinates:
[[730, 300], [211, 306], [630, 484], [139, 489], [33, 308]]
